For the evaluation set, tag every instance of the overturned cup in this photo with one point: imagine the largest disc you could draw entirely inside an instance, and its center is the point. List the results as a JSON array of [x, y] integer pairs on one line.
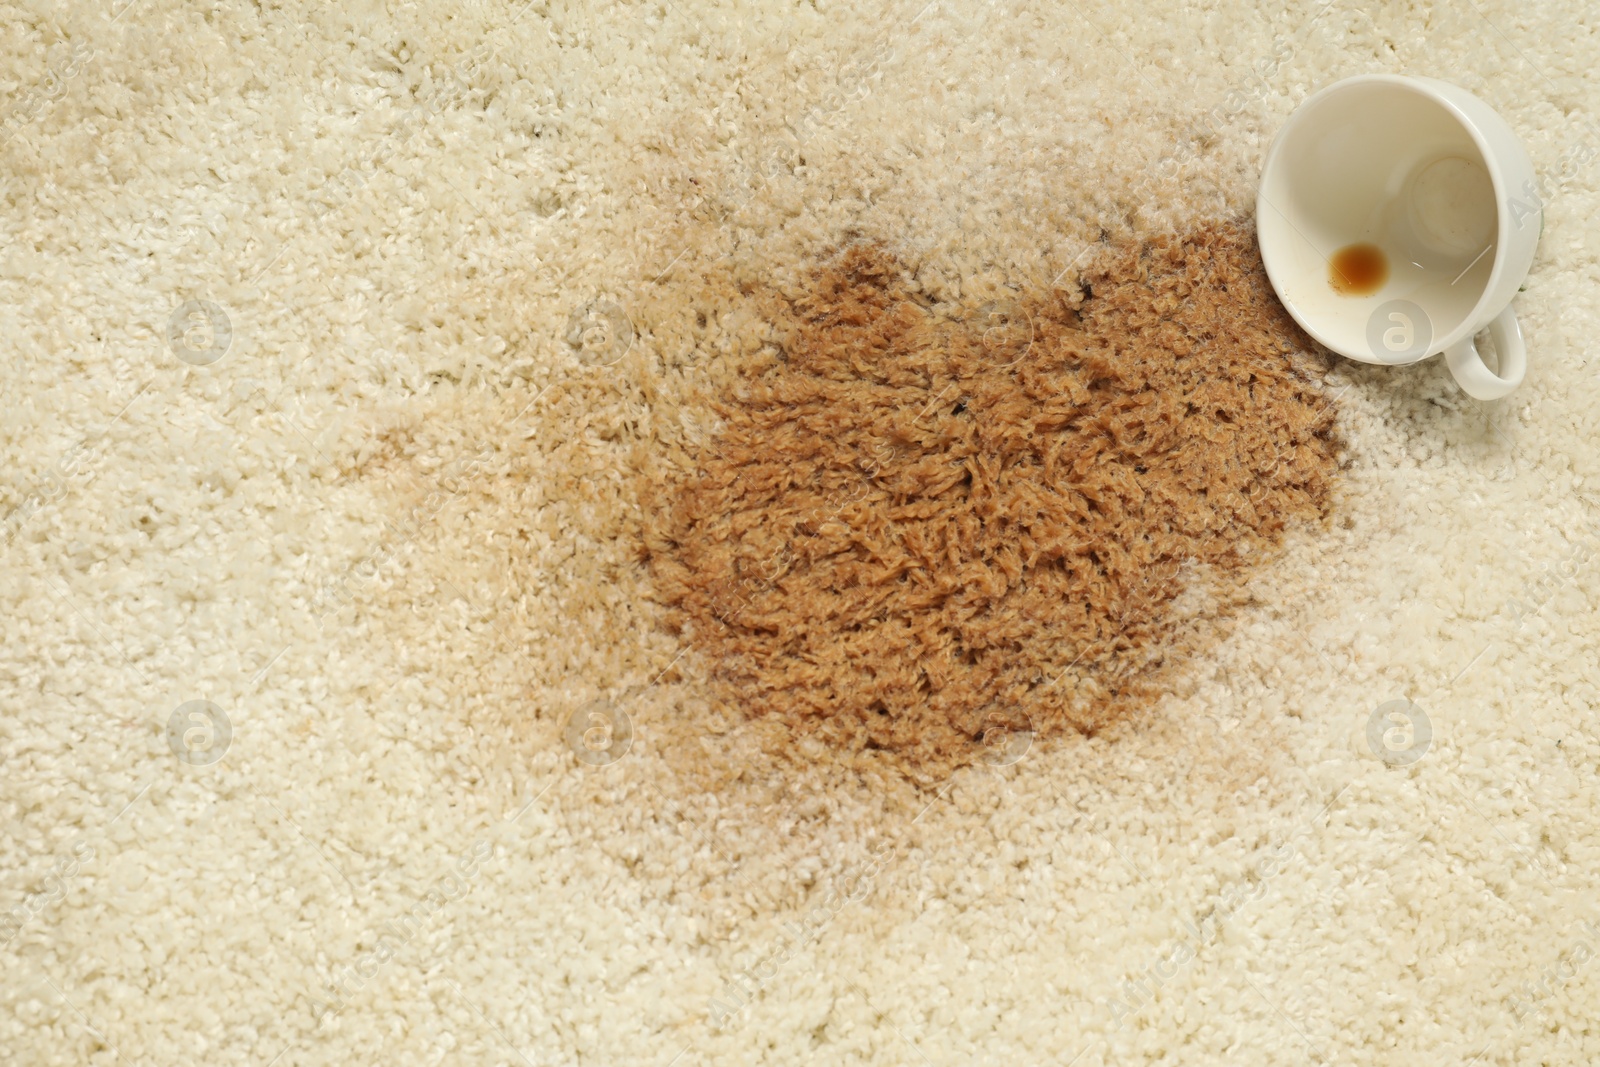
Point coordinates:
[[1397, 217]]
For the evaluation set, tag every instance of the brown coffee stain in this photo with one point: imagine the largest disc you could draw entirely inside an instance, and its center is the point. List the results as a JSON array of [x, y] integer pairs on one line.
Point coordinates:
[[922, 531], [557, 552]]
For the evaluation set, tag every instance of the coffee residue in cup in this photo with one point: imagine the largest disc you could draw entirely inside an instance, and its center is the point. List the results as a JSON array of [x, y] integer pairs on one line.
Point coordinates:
[[1358, 270], [921, 526]]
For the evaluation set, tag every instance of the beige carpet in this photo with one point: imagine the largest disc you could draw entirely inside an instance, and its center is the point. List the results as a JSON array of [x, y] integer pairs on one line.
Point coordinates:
[[334, 339]]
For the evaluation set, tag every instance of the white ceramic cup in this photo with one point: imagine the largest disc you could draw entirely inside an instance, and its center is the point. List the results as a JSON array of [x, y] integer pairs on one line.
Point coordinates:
[[1435, 179]]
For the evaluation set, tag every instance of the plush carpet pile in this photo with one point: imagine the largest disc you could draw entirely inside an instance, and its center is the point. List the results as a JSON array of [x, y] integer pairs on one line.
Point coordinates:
[[342, 714]]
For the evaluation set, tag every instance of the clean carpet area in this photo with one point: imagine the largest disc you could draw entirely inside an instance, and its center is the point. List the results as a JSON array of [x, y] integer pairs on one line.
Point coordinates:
[[339, 722]]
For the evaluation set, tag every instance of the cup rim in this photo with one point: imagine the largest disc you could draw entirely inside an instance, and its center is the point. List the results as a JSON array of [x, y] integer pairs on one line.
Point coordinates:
[[1422, 86]]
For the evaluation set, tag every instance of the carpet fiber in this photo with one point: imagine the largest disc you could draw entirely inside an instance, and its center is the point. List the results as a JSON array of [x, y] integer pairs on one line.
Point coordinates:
[[341, 714]]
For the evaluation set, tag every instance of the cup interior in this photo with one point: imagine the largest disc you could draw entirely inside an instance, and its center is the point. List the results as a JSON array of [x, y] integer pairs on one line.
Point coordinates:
[[1380, 164]]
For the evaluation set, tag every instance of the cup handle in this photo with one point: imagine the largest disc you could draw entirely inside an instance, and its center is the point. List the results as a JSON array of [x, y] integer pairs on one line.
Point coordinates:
[[1474, 376]]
